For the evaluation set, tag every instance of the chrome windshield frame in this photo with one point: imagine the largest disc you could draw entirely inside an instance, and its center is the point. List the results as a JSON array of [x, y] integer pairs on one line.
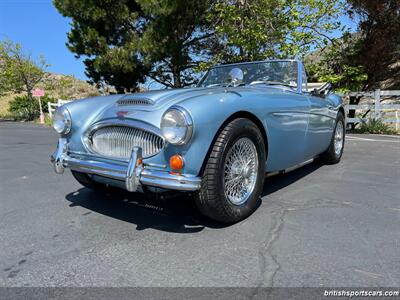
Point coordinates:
[[300, 69]]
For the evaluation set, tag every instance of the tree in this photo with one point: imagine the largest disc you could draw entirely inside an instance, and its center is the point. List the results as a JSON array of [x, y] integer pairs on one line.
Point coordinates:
[[367, 59], [19, 72], [125, 41], [379, 43], [336, 64], [260, 29], [177, 39], [106, 33]]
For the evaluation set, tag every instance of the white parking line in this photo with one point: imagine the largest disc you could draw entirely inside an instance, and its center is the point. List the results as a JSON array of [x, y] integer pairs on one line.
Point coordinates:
[[388, 135], [355, 138]]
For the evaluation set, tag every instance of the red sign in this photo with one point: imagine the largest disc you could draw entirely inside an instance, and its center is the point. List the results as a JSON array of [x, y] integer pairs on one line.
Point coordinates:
[[38, 93]]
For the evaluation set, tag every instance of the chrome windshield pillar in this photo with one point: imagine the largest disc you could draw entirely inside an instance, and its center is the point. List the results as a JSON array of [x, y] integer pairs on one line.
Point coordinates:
[[135, 167]]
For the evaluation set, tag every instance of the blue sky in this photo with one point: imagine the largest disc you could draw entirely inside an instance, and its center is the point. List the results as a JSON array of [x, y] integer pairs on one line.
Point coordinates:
[[38, 26]]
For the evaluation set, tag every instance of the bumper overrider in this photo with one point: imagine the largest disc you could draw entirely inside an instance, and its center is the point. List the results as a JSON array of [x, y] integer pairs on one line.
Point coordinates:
[[134, 175]]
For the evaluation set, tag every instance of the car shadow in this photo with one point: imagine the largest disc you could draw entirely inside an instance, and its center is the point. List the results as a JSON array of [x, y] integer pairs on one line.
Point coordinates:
[[171, 213], [280, 181]]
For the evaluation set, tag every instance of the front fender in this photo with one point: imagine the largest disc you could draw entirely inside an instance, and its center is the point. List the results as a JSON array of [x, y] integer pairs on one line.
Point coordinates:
[[208, 115], [85, 112]]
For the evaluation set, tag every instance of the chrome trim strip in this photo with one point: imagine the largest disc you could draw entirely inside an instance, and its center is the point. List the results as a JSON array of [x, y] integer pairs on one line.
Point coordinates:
[[135, 174], [165, 180], [156, 165], [290, 169], [91, 156], [125, 122], [299, 165], [95, 167], [290, 114]]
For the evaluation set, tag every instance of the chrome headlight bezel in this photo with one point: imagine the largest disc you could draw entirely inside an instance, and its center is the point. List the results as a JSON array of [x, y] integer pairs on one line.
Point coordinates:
[[62, 121], [186, 122]]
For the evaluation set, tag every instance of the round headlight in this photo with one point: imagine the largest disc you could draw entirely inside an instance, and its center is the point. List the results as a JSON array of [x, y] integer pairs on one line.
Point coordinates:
[[176, 126], [62, 120]]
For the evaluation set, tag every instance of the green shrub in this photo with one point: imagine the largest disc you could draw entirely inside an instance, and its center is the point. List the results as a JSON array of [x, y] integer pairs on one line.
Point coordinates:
[[47, 120], [21, 108], [375, 126]]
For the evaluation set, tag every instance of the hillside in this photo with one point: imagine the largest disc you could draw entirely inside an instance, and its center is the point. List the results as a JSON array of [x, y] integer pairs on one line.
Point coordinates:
[[56, 86]]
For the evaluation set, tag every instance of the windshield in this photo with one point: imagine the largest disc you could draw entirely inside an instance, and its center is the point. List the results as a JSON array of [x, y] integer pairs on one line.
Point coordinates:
[[268, 72]]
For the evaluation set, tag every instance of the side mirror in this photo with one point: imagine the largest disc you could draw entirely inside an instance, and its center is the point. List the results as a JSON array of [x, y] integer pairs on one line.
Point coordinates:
[[236, 76]]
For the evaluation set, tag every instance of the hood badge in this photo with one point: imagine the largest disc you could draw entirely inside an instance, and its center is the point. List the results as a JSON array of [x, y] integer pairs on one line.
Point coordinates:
[[122, 114]]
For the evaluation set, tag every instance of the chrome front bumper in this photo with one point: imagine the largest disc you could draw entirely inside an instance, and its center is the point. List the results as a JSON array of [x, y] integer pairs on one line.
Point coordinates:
[[135, 174]]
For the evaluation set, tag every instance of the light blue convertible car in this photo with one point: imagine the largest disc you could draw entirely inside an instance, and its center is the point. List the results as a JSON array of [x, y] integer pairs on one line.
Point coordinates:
[[215, 141]]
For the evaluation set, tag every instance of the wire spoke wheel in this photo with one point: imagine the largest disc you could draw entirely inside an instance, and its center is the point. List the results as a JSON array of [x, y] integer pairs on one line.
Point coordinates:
[[233, 176], [338, 139], [240, 171]]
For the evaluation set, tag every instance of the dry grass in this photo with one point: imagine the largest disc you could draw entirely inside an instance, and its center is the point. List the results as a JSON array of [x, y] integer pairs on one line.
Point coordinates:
[[67, 87], [4, 100], [56, 86]]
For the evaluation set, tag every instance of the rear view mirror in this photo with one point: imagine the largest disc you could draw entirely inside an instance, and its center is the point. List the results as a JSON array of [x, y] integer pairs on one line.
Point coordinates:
[[236, 76]]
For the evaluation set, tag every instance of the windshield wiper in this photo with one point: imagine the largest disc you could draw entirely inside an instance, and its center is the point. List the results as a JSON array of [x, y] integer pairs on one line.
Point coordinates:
[[216, 84], [271, 83], [225, 84]]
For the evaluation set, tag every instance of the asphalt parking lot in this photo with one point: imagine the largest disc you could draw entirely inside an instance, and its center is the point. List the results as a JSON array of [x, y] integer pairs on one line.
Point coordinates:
[[317, 226]]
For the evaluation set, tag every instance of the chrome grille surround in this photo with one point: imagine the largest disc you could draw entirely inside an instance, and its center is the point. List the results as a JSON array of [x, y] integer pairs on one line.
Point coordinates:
[[117, 141]]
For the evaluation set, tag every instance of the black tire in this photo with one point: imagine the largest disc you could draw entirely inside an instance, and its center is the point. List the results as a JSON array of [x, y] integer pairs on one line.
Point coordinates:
[[86, 181], [211, 199], [330, 156]]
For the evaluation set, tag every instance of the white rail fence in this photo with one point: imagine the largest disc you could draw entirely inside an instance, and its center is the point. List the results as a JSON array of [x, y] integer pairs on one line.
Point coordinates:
[[376, 107], [53, 106]]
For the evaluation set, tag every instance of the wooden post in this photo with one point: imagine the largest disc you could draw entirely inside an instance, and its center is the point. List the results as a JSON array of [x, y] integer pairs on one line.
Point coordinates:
[[50, 110], [353, 100], [377, 100], [41, 111]]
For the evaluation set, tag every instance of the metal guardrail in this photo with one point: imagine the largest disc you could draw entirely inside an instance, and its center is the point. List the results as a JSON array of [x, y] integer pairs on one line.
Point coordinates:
[[53, 106], [377, 107]]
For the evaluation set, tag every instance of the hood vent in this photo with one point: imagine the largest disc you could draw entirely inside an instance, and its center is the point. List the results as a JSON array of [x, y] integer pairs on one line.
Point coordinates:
[[134, 100]]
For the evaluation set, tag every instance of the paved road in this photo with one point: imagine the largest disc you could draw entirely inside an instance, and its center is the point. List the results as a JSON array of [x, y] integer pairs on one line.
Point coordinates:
[[317, 226]]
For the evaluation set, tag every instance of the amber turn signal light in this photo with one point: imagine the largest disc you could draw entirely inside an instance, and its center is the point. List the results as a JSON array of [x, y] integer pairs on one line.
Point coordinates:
[[176, 162]]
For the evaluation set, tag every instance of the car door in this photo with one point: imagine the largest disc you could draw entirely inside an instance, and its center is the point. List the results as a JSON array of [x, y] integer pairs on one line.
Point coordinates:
[[287, 126], [320, 126]]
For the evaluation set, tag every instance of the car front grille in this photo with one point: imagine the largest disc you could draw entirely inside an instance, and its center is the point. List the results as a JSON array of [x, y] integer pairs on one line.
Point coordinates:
[[118, 141]]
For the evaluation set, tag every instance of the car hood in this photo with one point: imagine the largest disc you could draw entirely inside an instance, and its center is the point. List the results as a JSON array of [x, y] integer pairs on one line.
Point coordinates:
[[149, 106], [167, 97], [171, 96], [152, 103]]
